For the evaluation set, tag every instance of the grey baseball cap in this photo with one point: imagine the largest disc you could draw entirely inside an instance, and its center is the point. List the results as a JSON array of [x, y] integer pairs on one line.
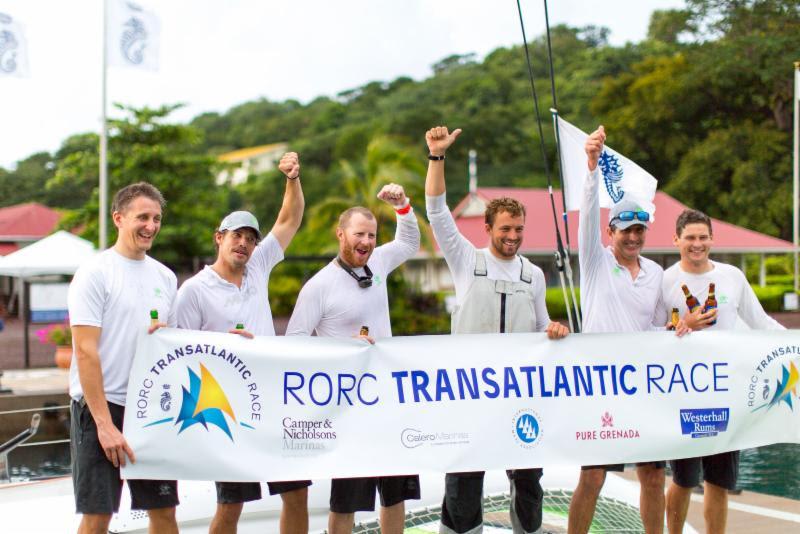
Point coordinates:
[[240, 219], [628, 212]]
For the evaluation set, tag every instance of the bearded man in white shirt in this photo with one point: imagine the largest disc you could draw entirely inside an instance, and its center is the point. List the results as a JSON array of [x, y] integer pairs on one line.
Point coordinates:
[[497, 291], [348, 293]]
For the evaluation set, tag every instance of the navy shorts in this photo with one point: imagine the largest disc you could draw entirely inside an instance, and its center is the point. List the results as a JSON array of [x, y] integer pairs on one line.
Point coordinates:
[[239, 492], [97, 483], [350, 495], [719, 469]]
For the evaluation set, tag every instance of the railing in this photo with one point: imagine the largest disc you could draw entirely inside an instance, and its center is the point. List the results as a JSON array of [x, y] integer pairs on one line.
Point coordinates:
[[20, 440]]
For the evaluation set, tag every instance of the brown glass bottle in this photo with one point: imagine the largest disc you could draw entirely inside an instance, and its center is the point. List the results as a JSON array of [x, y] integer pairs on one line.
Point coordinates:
[[691, 301], [364, 331], [711, 301]]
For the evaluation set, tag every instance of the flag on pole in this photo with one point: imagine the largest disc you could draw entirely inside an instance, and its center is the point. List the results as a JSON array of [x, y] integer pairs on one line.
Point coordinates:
[[13, 48], [621, 176], [134, 36]]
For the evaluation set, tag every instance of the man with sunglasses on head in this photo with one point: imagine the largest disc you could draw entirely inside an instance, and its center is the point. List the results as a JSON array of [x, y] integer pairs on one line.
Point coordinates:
[[347, 294], [497, 291], [620, 292], [233, 291], [735, 298]]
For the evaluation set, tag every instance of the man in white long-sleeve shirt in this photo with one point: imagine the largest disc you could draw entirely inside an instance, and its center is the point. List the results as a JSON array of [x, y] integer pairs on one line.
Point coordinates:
[[735, 299], [347, 294], [620, 292], [497, 291]]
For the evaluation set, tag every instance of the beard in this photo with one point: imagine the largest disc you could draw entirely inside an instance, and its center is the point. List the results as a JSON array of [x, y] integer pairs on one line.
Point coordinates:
[[506, 251], [353, 259]]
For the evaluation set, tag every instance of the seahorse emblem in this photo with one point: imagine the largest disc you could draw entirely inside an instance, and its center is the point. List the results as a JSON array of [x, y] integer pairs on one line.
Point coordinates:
[[8, 47], [166, 399], [612, 175], [133, 41]]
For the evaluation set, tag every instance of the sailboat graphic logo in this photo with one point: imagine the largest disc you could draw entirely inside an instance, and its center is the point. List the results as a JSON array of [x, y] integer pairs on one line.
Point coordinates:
[[205, 403]]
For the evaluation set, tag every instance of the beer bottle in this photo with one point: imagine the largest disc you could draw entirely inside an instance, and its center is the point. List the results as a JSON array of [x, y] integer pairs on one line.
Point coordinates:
[[239, 326], [673, 322], [153, 317], [364, 331], [691, 301], [711, 301]]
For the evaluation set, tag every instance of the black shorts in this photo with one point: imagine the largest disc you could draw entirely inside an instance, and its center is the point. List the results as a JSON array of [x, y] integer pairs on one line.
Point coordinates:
[[239, 492], [719, 469], [621, 467], [97, 483], [350, 495]]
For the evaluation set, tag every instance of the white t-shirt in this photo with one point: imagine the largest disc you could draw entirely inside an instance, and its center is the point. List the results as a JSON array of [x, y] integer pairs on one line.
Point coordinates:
[[116, 294], [331, 303], [735, 297], [459, 254], [612, 301], [206, 301]]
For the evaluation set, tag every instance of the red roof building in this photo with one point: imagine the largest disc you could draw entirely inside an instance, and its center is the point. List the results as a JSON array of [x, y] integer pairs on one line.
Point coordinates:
[[24, 223], [731, 242], [540, 228]]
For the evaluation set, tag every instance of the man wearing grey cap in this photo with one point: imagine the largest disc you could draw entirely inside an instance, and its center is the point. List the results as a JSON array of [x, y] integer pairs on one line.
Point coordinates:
[[620, 292], [231, 292]]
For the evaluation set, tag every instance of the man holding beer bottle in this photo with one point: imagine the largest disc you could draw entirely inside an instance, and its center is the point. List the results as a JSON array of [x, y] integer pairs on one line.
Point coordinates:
[[111, 301], [348, 298], [231, 296], [709, 294]]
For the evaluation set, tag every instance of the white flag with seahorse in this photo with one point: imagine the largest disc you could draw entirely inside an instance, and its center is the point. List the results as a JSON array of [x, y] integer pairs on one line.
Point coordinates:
[[13, 48], [134, 35], [621, 176]]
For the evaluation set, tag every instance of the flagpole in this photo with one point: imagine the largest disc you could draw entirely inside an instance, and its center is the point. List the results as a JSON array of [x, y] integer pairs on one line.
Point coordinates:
[[796, 170], [103, 236]]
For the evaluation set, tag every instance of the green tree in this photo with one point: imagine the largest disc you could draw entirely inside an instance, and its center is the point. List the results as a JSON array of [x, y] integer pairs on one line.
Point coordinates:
[[385, 161], [143, 146]]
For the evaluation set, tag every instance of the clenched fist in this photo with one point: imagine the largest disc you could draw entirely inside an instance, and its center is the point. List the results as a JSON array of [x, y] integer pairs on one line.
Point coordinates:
[[439, 139], [393, 195], [594, 146], [290, 165]]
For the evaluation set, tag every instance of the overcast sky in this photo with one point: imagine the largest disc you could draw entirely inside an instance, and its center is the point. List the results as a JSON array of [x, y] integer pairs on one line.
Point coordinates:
[[219, 53]]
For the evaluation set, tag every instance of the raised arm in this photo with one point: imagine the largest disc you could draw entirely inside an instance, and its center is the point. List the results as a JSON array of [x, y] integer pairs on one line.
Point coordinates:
[[438, 140], [291, 214], [589, 242], [406, 237], [457, 250]]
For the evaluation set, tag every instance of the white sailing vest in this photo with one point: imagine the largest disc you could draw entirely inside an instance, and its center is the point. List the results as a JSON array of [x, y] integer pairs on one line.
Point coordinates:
[[493, 306]]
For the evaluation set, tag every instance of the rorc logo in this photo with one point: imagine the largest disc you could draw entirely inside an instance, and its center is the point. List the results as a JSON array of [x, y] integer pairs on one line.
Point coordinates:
[[527, 428]]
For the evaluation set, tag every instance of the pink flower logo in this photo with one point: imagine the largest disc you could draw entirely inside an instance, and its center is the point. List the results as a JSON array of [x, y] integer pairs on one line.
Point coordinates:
[[607, 419]]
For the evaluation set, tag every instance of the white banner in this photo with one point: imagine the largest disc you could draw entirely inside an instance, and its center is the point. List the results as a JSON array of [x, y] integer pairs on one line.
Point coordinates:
[[134, 36], [212, 406], [621, 176], [13, 48]]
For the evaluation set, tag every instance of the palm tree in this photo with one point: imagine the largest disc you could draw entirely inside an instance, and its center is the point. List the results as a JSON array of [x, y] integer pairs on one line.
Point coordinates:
[[386, 161]]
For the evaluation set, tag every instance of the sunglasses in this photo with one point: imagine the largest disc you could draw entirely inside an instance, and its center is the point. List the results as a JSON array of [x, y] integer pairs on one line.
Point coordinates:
[[626, 216]]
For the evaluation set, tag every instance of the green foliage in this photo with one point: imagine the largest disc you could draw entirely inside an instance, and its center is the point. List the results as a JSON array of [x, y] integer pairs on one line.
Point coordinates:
[[771, 297], [414, 313], [556, 307], [144, 147], [703, 103]]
